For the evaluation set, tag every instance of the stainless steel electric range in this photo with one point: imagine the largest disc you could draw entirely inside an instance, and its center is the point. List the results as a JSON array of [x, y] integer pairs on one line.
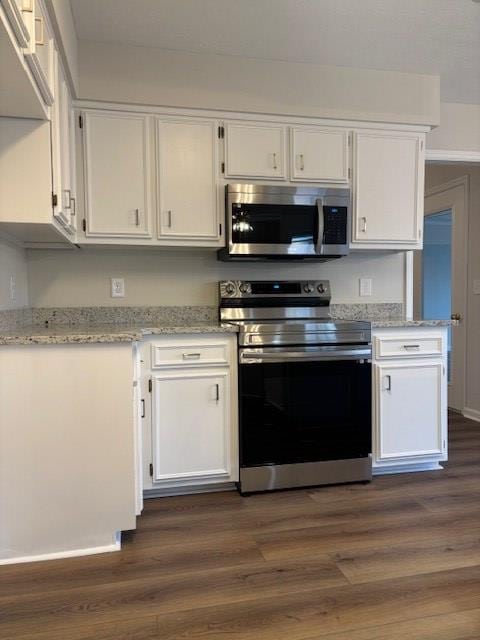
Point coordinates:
[[304, 386]]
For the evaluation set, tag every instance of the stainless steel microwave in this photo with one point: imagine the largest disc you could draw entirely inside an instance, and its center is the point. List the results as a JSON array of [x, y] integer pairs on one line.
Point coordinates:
[[265, 222]]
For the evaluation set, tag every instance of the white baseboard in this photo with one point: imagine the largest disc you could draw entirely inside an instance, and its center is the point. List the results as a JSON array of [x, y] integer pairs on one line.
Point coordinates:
[[184, 491], [472, 414], [57, 555], [407, 468]]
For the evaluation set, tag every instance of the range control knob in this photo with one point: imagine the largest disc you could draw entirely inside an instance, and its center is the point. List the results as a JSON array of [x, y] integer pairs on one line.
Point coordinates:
[[308, 288], [245, 287], [321, 288], [230, 288]]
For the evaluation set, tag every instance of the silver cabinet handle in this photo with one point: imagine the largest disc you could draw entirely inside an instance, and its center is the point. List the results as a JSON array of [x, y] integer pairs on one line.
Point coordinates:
[[39, 31], [217, 392], [191, 356], [169, 218], [137, 217], [364, 224], [302, 162], [68, 193], [143, 408], [411, 346], [73, 206], [389, 382], [275, 161]]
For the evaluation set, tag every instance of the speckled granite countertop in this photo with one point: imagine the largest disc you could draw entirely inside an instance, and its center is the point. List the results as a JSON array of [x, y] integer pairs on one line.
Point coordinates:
[[402, 322], [84, 334]]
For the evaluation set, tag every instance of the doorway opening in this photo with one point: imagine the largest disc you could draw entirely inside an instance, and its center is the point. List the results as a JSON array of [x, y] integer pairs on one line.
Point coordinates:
[[436, 268]]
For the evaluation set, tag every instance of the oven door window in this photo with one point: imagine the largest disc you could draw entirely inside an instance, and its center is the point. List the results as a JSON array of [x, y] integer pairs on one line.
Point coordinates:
[[304, 412], [274, 224]]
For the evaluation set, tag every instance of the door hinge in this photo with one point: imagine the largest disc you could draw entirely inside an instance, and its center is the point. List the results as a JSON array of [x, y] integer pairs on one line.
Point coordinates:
[[84, 224], [80, 122], [150, 385], [221, 132], [151, 470], [54, 200], [223, 167]]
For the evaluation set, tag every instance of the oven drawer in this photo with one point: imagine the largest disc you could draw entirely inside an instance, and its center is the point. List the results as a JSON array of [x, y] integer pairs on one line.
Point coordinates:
[[408, 347], [188, 355]]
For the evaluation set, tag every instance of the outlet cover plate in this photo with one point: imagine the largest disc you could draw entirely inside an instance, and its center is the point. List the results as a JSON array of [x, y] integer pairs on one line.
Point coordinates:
[[117, 287]]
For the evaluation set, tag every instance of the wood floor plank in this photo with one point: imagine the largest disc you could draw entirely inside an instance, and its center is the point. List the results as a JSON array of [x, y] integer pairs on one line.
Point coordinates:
[[132, 564], [454, 626], [409, 559], [138, 629], [319, 613], [172, 593]]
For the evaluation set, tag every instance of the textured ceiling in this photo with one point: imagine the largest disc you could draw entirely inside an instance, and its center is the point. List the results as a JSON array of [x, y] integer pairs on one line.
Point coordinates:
[[439, 37]]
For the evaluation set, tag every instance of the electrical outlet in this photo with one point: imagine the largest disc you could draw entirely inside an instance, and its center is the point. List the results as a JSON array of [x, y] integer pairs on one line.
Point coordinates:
[[13, 288], [118, 287], [365, 286]]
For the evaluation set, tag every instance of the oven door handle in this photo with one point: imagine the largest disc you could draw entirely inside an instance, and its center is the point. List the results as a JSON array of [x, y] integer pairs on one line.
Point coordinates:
[[257, 357], [321, 227]]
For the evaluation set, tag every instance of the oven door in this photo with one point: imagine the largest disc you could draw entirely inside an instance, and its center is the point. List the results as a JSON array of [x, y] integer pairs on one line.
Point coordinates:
[[304, 404]]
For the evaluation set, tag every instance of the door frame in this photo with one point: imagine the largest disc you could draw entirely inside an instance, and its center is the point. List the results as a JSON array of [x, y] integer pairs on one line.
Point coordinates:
[[462, 181]]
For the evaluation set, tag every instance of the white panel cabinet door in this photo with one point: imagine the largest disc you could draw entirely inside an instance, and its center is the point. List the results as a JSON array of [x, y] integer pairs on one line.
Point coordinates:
[[63, 152], [319, 154], [254, 150], [117, 170], [388, 177], [410, 411], [186, 170], [191, 427], [40, 48]]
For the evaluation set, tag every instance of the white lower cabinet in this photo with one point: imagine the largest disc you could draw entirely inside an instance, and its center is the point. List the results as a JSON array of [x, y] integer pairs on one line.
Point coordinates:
[[409, 402], [193, 437]]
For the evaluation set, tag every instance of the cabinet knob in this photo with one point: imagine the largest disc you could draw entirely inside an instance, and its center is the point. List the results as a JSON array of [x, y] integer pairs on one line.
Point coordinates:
[[364, 224]]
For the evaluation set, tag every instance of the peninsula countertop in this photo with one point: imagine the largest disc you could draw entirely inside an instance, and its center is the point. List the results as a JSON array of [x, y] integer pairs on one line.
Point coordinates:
[[89, 333]]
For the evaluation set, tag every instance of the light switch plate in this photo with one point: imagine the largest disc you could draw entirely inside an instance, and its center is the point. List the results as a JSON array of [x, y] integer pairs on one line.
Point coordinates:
[[476, 287], [365, 286], [118, 287]]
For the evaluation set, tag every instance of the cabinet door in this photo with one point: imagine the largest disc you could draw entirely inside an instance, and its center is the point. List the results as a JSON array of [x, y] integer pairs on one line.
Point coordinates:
[[63, 156], [319, 154], [255, 151], [387, 189], [186, 165], [39, 52], [117, 169], [191, 427], [410, 410]]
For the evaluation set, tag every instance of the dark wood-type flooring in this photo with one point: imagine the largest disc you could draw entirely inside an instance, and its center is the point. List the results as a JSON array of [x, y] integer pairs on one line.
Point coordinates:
[[396, 559]]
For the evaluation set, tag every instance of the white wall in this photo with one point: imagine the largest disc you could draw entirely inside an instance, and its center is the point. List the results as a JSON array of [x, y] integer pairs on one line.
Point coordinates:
[[162, 277], [141, 75], [12, 263], [435, 175], [459, 128]]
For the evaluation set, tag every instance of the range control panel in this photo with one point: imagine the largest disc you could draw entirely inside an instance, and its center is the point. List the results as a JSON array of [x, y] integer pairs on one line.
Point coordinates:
[[267, 288]]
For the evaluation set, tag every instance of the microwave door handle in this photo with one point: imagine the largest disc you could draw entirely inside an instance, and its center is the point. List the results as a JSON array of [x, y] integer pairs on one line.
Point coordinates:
[[321, 227]]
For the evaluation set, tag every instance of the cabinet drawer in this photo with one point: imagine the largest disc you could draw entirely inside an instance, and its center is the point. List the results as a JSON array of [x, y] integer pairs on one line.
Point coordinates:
[[408, 347], [188, 355]]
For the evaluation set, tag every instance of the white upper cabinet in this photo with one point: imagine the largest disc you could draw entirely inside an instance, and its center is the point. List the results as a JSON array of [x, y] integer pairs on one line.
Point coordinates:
[[255, 150], [388, 175], [63, 152], [187, 200], [117, 171], [319, 154], [39, 52]]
